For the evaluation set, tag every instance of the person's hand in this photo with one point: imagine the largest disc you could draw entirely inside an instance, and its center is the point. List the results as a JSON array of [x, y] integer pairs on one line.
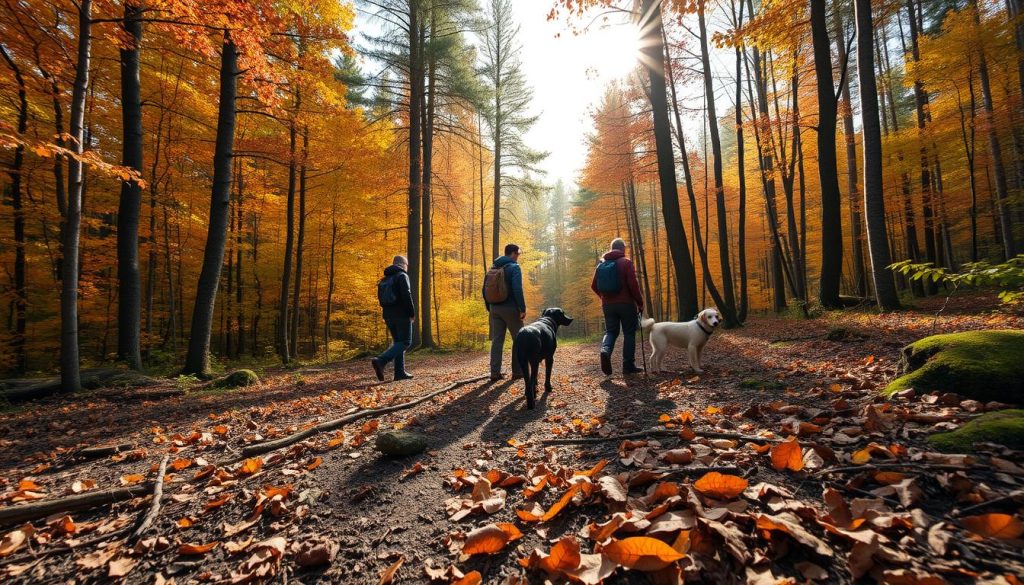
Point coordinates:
[[522, 315], [412, 319]]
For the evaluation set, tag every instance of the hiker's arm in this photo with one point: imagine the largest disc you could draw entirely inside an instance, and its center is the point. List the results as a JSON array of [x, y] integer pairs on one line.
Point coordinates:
[[410, 306], [634, 286], [593, 284], [517, 288]]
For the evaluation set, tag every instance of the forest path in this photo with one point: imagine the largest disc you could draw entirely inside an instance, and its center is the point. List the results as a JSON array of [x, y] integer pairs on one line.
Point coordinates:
[[380, 510]]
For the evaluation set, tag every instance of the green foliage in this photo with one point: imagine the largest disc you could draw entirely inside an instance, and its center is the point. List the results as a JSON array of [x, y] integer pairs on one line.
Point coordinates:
[[1007, 276], [984, 365], [1005, 427], [186, 382]]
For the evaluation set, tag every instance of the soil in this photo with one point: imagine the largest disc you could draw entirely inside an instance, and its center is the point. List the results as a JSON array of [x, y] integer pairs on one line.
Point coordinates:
[[381, 510]]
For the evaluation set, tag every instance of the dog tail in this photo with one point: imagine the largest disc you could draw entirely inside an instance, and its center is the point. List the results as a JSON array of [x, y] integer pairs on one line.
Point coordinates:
[[646, 325]]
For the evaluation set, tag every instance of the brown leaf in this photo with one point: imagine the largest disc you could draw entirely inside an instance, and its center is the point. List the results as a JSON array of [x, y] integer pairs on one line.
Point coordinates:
[[250, 466], [388, 576], [121, 566], [642, 553], [787, 455], [13, 540], [565, 556], [471, 578], [315, 553], [994, 525]]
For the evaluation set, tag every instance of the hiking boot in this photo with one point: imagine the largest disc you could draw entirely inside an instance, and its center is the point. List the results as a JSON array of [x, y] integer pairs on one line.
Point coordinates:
[[403, 376], [606, 363], [517, 377], [378, 368], [496, 377], [628, 370]]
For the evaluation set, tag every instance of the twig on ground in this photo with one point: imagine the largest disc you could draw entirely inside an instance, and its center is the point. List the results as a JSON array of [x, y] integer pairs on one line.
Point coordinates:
[[657, 433], [41, 509], [266, 446], [696, 470], [907, 465], [154, 506]]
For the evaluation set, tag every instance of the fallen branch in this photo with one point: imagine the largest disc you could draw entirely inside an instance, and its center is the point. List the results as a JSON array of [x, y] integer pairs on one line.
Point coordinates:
[[698, 470], [657, 433], [154, 506], [35, 510], [266, 446], [97, 452], [908, 465]]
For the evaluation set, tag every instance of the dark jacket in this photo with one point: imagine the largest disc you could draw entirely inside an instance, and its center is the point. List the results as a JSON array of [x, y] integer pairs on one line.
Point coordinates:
[[514, 279], [630, 291], [405, 307]]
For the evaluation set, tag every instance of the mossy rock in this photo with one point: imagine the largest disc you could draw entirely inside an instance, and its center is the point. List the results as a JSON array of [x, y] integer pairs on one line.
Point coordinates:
[[401, 443], [237, 379], [1005, 427], [983, 365]]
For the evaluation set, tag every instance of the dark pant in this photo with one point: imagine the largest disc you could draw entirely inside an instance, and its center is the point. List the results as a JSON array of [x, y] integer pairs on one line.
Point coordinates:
[[401, 333], [621, 316], [500, 319]]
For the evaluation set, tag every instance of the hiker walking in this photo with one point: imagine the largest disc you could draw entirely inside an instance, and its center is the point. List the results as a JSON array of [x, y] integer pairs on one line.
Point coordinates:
[[506, 306], [615, 282], [399, 314]]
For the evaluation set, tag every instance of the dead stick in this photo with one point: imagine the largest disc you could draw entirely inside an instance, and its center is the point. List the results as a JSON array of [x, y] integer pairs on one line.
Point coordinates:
[[696, 470], [877, 466], [154, 506], [657, 433], [266, 446], [26, 512], [96, 452]]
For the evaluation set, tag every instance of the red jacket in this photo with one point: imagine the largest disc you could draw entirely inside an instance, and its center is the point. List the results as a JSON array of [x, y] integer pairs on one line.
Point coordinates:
[[630, 291]]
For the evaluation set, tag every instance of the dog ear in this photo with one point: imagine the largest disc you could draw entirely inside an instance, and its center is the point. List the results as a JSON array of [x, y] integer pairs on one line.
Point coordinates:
[[566, 319]]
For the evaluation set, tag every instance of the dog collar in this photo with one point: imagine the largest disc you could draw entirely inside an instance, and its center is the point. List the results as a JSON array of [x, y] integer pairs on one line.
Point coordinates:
[[706, 332]]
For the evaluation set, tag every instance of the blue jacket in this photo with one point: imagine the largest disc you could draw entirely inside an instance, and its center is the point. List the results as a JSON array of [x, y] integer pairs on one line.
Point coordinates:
[[514, 277], [405, 308]]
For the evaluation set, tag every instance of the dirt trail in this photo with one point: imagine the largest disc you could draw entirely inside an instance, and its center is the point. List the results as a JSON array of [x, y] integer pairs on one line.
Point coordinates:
[[379, 510]]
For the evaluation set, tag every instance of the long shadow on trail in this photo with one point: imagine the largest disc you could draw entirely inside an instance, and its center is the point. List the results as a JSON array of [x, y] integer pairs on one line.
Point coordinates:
[[455, 420], [633, 399]]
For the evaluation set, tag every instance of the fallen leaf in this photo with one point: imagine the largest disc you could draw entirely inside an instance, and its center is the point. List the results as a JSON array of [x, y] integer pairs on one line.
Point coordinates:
[[388, 576], [314, 464], [121, 566], [564, 556], [721, 486], [994, 525], [197, 549], [490, 539], [132, 479], [471, 578], [13, 540], [250, 466], [787, 455], [642, 553]]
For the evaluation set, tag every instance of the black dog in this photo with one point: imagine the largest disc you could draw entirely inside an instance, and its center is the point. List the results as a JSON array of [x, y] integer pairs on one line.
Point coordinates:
[[535, 342]]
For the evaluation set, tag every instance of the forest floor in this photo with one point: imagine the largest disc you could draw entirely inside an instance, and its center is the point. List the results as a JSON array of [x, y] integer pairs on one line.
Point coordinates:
[[331, 509]]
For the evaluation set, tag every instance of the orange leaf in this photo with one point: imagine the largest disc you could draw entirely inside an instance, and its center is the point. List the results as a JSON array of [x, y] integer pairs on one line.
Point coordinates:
[[370, 426], [250, 466], [197, 549], [565, 556], [217, 502], [889, 477], [595, 469], [760, 449], [642, 553], [185, 523], [1002, 526], [220, 429], [787, 455], [490, 539], [132, 479], [314, 464], [862, 456], [721, 486], [27, 485], [179, 464]]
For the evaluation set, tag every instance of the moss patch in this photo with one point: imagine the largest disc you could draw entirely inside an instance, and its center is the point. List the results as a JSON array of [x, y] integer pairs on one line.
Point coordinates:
[[1005, 427], [759, 384], [237, 379], [983, 365]]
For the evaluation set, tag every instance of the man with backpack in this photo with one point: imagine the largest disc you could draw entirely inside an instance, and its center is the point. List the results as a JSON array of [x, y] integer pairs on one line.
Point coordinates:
[[506, 306], [393, 292], [615, 282]]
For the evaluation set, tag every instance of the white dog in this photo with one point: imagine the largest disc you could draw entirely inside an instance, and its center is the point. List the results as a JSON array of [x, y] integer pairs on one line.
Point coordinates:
[[692, 335]]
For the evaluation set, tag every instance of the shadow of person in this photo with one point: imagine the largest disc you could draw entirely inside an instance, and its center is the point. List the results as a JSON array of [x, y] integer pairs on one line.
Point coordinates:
[[633, 402], [514, 416]]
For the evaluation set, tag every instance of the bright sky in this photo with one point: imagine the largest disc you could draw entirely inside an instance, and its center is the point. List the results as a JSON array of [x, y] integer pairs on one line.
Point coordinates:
[[568, 75]]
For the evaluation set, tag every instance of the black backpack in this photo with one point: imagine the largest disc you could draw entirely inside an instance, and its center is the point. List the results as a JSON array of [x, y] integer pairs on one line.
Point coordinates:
[[386, 294]]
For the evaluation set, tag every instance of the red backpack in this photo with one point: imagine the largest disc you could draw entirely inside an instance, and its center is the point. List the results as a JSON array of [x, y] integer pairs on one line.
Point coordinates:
[[495, 285]]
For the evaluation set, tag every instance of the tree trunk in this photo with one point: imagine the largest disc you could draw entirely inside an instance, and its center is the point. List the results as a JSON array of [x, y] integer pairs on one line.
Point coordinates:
[[415, 168], [728, 307], [300, 244], [655, 52], [14, 190], [874, 200], [741, 309], [70, 375], [129, 347], [239, 238], [197, 360], [330, 286], [850, 139], [426, 335], [995, 152], [831, 206]]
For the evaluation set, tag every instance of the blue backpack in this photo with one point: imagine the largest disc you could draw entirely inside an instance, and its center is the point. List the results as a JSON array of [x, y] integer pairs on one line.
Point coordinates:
[[608, 280], [386, 294]]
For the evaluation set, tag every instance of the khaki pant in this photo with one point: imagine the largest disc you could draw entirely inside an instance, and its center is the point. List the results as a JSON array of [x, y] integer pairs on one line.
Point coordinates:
[[500, 318]]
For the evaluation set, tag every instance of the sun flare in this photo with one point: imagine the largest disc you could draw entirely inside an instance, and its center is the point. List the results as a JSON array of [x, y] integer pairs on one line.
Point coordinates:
[[612, 51]]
